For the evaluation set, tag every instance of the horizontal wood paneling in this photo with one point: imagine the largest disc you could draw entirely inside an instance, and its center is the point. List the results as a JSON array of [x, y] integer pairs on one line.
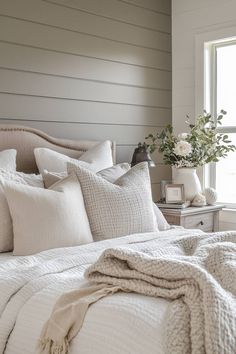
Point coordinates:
[[126, 153], [84, 69], [41, 36], [159, 173], [44, 109], [124, 12], [123, 152], [58, 87], [191, 6], [156, 192], [98, 132], [122, 135], [84, 23], [48, 62], [159, 6]]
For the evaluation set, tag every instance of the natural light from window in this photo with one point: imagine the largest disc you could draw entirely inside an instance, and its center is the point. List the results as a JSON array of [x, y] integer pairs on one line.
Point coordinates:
[[226, 177], [225, 94], [226, 82]]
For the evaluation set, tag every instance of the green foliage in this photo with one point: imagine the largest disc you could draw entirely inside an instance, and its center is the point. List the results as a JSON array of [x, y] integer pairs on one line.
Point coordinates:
[[207, 145]]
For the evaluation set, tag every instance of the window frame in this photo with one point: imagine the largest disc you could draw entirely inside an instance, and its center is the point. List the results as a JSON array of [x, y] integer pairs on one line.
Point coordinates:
[[210, 90]]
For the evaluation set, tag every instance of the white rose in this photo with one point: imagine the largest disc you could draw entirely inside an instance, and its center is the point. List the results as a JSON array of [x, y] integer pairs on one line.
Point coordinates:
[[183, 136], [183, 148]]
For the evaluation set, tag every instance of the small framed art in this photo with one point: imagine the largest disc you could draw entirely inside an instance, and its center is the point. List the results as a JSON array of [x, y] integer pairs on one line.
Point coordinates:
[[174, 193]]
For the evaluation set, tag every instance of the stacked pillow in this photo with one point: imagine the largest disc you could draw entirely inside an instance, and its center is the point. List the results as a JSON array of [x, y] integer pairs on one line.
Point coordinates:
[[110, 174], [95, 202], [18, 178], [8, 159], [120, 208], [8, 173], [97, 158], [50, 218], [16, 186], [8, 163]]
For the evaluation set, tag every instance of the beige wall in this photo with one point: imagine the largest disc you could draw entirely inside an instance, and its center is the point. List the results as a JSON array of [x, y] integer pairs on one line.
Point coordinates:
[[191, 20], [96, 69]]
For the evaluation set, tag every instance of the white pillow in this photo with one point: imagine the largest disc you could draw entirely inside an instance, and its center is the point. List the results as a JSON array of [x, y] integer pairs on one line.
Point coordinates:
[[48, 218], [97, 158], [29, 179], [8, 160], [121, 208], [161, 220], [111, 174], [6, 232]]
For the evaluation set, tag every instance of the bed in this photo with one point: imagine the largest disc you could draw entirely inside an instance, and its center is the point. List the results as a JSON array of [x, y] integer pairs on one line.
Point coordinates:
[[26, 139], [117, 324], [23, 316], [124, 323]]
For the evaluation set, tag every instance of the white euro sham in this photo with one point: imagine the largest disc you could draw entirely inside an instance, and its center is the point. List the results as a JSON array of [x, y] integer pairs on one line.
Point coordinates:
[[97, 158], [8, 159]]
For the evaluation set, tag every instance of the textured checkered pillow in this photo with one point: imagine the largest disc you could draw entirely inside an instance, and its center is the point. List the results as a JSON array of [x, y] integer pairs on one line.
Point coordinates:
[[121, 208]]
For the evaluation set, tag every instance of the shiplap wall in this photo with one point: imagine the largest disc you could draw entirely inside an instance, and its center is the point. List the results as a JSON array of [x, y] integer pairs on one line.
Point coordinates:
[[88, 69], [189, 19]]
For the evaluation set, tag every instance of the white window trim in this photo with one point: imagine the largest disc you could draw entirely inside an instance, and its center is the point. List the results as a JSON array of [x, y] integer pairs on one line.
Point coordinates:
[[201, 40]]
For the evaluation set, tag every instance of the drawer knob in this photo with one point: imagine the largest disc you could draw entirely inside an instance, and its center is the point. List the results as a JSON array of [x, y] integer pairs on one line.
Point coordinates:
[[201, 222]]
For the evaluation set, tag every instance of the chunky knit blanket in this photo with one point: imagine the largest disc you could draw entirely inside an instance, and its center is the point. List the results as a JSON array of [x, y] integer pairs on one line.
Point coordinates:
[[198, 273]]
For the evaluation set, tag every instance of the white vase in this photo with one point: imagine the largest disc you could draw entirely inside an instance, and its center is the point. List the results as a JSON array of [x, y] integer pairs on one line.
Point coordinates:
[[188, 177]]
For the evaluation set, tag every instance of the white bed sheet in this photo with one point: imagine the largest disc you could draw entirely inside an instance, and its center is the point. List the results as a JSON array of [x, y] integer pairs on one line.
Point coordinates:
[[117, 324], [6, 257]]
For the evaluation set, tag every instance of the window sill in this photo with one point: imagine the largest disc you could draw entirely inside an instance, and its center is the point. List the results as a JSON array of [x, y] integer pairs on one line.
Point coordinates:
[[233, 210]]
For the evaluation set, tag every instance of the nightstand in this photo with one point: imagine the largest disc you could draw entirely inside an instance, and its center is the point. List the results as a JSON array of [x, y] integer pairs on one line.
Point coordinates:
[[204, 218]]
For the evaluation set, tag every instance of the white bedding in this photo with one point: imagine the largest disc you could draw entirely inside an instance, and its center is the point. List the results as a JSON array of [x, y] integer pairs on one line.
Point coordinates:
[[117, 324]]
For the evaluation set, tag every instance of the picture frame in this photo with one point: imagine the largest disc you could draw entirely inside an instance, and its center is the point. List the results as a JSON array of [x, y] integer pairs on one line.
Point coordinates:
[[174, 193]]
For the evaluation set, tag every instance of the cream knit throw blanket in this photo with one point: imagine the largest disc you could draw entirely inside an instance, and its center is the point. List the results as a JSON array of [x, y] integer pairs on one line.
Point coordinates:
[[197, 272]]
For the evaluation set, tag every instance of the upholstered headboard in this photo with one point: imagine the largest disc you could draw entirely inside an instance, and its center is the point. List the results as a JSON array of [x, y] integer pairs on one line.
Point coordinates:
[[25, 140]]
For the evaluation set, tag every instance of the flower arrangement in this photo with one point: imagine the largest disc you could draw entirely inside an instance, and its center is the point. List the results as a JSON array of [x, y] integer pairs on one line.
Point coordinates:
[[201, 145]]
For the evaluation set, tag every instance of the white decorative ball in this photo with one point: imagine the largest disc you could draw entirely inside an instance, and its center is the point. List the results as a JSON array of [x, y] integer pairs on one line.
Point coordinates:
[[199, 200], [211, 196]]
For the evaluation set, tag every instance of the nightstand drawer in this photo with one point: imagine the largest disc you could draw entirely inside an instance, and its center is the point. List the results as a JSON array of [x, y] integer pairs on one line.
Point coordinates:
[[204, 222], [205, 218]]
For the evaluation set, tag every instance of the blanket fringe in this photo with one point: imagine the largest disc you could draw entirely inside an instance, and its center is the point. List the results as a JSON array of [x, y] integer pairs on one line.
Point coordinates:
[[47, 346]]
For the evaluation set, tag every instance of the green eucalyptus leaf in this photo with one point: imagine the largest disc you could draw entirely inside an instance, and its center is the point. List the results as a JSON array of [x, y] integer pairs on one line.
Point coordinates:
[[207, 145]]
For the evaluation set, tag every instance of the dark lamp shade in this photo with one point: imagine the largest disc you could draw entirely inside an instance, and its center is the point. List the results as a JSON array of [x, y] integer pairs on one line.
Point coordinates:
[[142, 155]]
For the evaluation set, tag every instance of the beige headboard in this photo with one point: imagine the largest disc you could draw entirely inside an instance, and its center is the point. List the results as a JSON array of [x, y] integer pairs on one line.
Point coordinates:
[[25, 140]]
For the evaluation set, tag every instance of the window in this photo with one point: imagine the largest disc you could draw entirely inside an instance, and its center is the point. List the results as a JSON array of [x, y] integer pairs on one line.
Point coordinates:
[[220, 93]]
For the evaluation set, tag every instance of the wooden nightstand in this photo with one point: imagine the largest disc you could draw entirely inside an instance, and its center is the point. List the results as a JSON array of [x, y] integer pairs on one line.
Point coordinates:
[[204, 218]]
